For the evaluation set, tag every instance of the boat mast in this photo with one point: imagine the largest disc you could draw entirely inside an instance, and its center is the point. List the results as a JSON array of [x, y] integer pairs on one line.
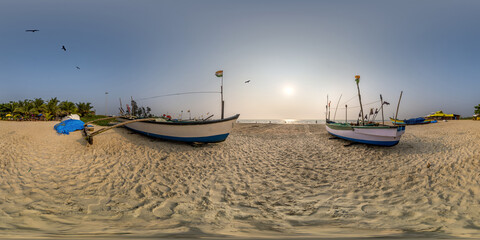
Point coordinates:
[[381, 101], [357, 80], [326, 110], [346, 119], [398, 105], [336, 108], [221, 93]]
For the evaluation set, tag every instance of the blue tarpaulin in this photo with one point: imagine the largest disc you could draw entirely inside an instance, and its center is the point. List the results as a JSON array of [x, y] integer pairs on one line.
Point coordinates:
[[415, 120], [68, 126]]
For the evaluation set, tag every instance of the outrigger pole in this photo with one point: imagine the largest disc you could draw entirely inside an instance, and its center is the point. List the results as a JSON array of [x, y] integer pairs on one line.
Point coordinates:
[[89, 136]]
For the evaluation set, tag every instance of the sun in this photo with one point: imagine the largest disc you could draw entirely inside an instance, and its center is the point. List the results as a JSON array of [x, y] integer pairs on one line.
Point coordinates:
[[288, 90]]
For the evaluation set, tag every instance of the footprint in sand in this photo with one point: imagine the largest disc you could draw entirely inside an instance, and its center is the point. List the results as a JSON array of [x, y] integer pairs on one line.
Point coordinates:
[[165, 209], [369, 209]]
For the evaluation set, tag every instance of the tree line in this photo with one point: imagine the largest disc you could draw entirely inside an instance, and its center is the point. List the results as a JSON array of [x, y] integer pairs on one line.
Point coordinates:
[[38, 109]]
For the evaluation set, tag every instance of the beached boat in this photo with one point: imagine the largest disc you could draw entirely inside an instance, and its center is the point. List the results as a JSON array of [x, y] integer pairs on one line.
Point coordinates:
[[209, 131], [373, 134], [411, 121], [202, 131]]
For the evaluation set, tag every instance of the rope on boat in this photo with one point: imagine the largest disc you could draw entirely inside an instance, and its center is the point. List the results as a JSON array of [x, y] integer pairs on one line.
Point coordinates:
[[370, 103], [175, 94]]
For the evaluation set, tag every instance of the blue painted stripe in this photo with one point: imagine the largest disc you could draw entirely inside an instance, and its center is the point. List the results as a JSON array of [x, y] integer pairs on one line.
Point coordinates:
[[209, 139], [378, 143]]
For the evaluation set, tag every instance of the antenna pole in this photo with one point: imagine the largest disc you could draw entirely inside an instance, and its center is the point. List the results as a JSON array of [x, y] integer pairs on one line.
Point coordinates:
[[106, 98]]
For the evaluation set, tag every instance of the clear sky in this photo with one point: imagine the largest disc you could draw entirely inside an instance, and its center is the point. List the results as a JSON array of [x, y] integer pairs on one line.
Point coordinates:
[[294, 53]]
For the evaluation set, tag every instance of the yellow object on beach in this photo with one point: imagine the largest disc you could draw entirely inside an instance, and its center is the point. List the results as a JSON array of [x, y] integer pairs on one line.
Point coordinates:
[[440, 114], [8, 115]]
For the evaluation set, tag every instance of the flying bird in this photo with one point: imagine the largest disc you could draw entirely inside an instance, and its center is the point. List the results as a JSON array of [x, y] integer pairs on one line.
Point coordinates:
[[63, 47], [32, 30], [78, 67], [247, 81]]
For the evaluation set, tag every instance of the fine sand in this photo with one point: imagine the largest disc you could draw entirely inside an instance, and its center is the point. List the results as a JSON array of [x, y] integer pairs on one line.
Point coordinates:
[[265, 180]]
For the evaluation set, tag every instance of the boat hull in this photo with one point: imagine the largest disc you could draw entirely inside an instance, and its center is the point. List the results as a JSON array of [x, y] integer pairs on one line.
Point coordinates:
[[372, 135], [195, 131]]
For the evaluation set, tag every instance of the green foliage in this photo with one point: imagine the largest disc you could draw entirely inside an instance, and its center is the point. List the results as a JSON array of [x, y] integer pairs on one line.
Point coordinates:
[[50, 110], [477, 109], [52, 107], [84, 109], [67, 108]]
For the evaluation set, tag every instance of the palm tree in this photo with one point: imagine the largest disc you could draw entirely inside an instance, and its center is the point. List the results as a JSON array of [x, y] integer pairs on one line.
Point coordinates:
[[25, 108], [52, 107], [84, 108], [40, 106], [477, 109], [67, 107], [10, 107]]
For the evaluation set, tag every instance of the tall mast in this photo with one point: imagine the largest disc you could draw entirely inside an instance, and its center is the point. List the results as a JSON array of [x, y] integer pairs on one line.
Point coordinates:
[[326, 110], [221, 93], [381, 101], [357, 80], [346, 118], [336, 108], [398, 105]]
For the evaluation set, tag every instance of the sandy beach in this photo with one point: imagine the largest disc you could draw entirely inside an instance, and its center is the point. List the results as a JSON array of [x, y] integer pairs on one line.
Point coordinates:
[[265, 180]]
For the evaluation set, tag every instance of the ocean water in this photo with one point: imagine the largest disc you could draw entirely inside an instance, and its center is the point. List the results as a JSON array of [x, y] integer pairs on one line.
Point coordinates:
[[283, 121], [294, 121]]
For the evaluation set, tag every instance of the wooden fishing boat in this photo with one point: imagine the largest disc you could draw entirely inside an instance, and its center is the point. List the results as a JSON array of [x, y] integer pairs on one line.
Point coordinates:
[[209, 131], [412, 121], [373, 135], [202, 131]]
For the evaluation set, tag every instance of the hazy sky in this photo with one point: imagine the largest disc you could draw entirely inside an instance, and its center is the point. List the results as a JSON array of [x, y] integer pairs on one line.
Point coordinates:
[[294, 53]]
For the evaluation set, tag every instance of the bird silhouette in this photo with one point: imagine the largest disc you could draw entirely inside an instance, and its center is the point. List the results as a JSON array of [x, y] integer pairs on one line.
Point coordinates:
[[64, 49], [32, 30], [78, 67], [247, 81]]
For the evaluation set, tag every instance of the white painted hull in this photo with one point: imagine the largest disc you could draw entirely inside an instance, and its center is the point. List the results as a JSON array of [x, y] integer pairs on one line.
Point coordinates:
[[207, 131], [374, 136]]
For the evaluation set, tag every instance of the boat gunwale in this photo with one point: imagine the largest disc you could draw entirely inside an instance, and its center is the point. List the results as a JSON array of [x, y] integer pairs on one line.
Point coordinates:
[[236, 116], [346, 125]]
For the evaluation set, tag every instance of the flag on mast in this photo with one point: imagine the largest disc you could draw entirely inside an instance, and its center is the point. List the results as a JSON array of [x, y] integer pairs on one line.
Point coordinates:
[[219, 73]]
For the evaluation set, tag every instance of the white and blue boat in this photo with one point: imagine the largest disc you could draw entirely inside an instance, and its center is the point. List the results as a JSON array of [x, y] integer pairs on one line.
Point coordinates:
[[209, 131], [372, 133]]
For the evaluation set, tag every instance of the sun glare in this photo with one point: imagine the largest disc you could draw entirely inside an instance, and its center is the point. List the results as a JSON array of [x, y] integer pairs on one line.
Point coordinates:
[[288, 91]]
